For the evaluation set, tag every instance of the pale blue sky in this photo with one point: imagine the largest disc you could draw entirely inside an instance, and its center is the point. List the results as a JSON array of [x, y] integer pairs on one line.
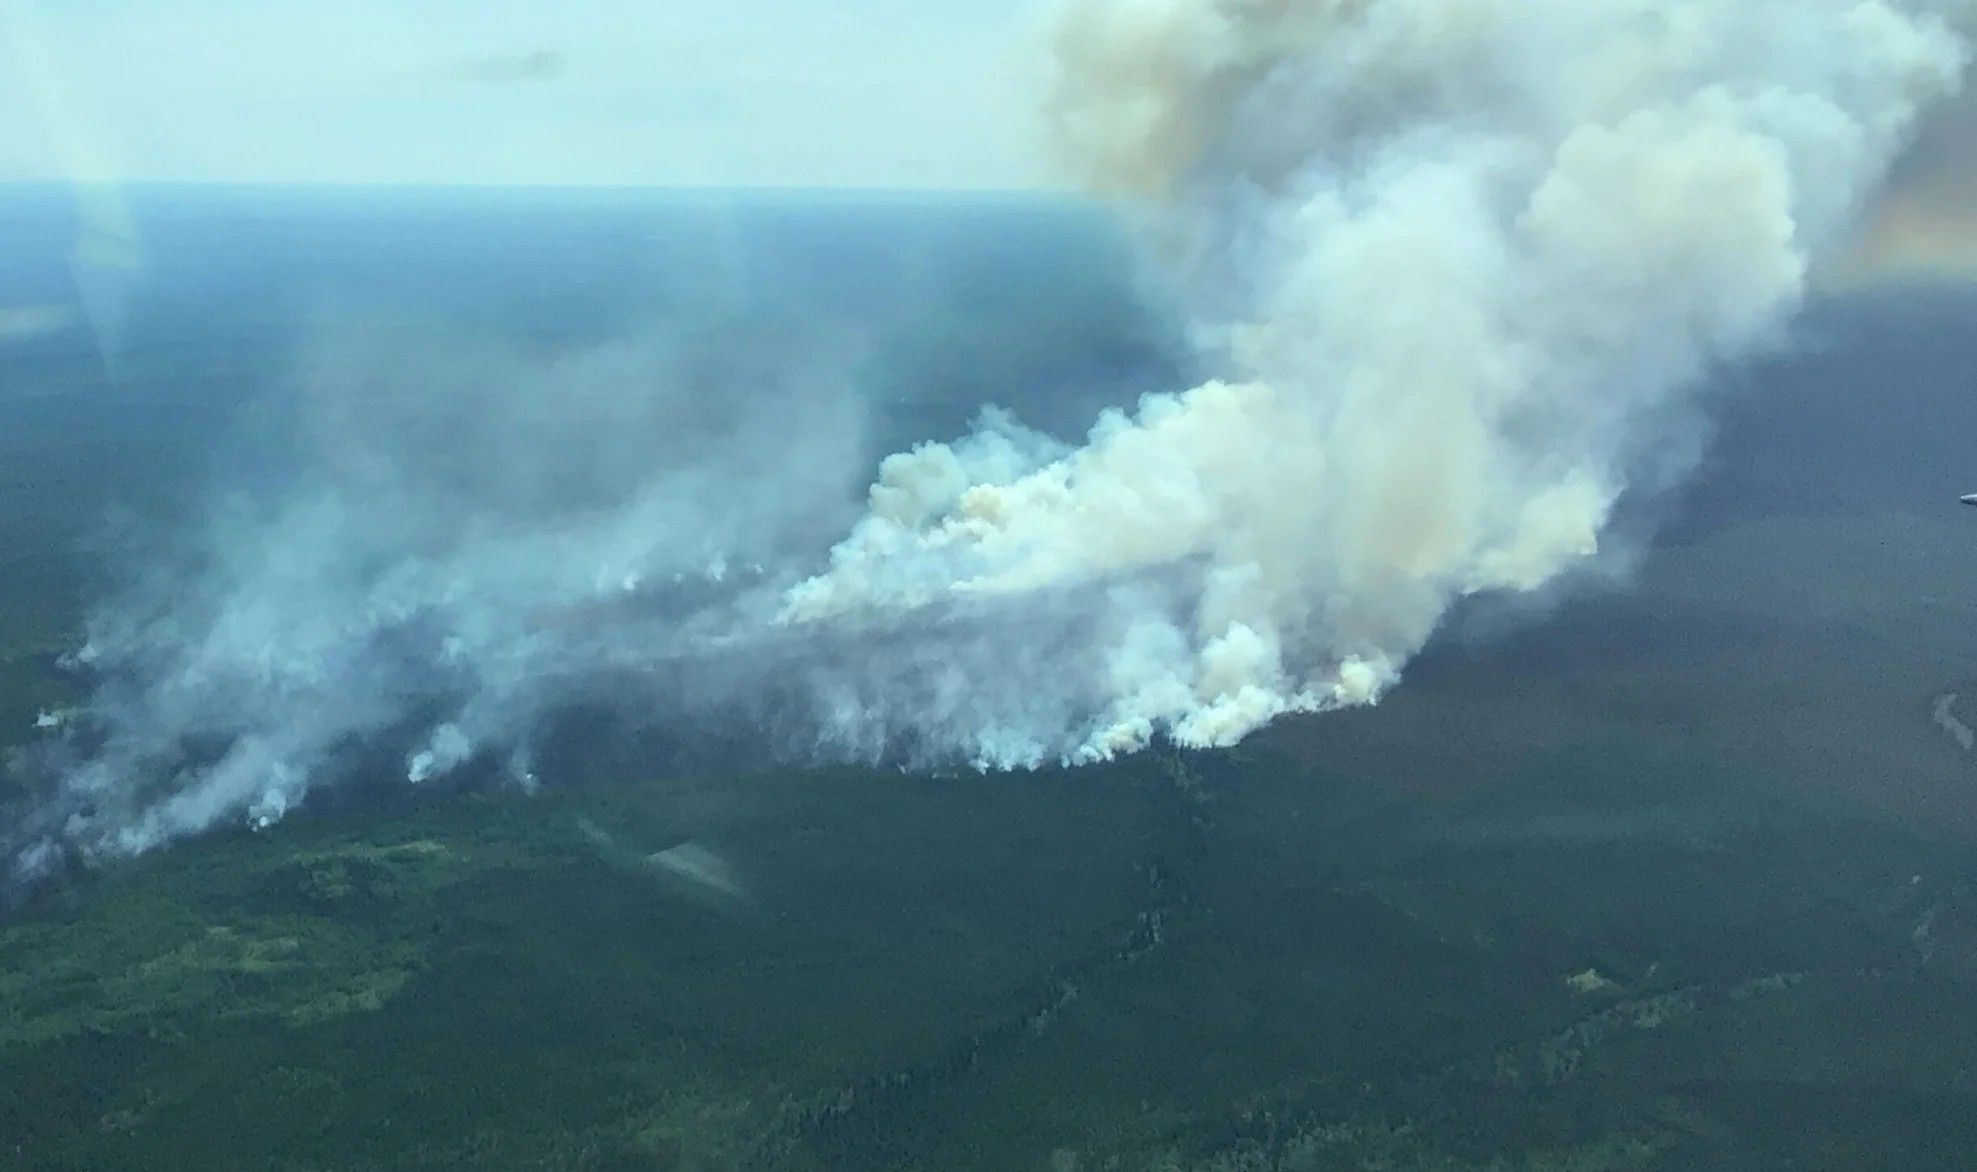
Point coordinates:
[[809, 93]]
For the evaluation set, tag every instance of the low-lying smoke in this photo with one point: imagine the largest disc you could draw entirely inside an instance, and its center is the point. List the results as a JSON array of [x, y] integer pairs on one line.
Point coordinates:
[[1461, 264]]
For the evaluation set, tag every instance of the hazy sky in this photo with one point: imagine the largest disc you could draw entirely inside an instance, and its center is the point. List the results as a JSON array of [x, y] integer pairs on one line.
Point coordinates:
[[867, 93], [727, 93]]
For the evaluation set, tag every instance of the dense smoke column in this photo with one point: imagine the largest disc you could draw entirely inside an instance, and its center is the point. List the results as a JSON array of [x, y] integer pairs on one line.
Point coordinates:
[[1463, 263]]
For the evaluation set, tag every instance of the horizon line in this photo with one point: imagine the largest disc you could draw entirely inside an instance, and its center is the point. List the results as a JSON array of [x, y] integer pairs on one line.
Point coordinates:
[[852, 190]]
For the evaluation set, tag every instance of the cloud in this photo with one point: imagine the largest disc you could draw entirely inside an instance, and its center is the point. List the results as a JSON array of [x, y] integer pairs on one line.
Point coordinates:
[[515, 68]]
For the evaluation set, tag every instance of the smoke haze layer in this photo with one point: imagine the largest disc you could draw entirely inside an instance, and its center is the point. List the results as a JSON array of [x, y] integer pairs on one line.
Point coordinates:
[[1461, 268]]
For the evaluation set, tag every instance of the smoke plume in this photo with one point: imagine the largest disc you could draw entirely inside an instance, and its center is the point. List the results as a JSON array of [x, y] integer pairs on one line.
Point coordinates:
[[1461, 265]]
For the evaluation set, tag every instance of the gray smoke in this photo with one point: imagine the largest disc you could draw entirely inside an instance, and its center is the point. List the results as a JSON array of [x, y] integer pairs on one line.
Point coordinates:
[[1463, 266], [473, 535]]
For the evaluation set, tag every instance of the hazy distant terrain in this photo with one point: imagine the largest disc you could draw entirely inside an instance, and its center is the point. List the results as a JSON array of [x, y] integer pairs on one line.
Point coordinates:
[[1679, 873]]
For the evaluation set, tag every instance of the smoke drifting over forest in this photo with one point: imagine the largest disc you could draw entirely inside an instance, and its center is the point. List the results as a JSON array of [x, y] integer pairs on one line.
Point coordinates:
[[1461, 269]]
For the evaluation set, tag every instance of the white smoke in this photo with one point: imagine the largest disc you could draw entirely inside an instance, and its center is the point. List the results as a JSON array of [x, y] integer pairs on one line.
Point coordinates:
[[466, 544], [1465, 259], [1462, 265]]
